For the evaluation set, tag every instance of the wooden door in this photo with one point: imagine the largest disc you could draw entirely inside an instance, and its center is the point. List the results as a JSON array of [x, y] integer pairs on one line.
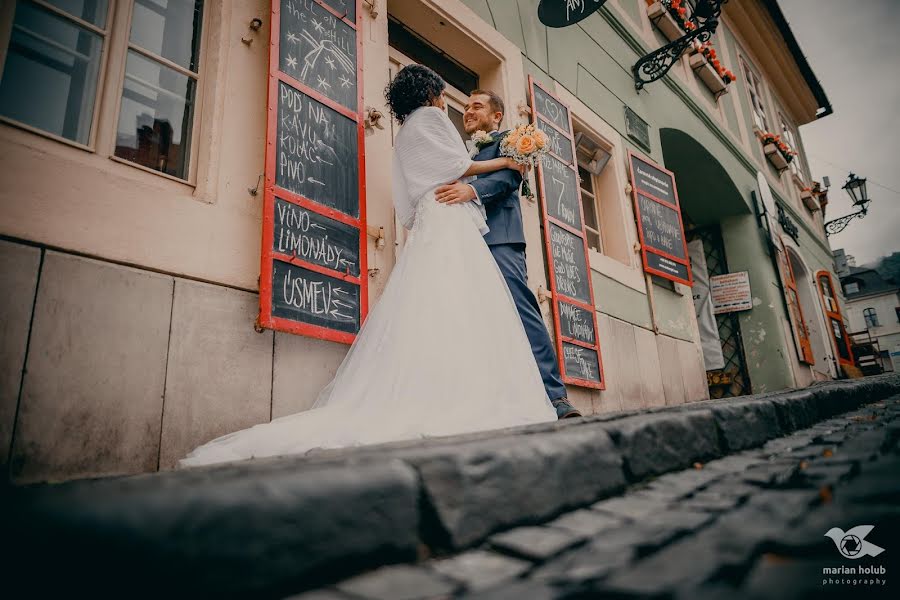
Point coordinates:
[[801, 331], [834, 318]]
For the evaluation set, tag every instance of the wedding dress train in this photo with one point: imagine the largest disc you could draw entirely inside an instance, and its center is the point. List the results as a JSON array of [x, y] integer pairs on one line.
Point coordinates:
[[442, 352]]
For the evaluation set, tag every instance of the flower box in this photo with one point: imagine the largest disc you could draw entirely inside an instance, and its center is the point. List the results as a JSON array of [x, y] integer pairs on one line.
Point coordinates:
[[775, 156], [809, 200], [664, 21], [708, 75]]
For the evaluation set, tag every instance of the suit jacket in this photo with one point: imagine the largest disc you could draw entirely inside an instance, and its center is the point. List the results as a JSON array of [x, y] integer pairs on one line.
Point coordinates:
[[499, 194]]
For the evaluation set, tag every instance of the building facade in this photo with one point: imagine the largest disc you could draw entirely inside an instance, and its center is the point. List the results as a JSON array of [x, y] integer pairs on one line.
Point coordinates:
[[873, 307], [134, 171]]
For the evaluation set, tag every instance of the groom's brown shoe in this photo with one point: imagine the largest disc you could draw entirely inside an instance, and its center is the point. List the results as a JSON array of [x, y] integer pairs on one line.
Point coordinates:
[[564, 410]]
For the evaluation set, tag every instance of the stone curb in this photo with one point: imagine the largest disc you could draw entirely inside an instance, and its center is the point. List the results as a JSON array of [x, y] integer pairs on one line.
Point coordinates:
[[265, 527]]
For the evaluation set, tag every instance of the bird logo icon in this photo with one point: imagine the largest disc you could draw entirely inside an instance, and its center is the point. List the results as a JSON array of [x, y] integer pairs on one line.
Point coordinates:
[[852, 543]]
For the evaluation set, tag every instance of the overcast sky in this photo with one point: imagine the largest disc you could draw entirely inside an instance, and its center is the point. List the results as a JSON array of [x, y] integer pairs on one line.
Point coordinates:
[[854, 50]]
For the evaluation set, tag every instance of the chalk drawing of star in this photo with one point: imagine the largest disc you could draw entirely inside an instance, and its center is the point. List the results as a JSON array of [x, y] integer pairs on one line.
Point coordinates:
[[292, 38], [330, 62], [318, 26], [291, 61], [322, 83], [344, 81]]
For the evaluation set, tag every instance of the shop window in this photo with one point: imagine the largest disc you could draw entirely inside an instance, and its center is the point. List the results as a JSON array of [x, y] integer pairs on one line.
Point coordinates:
[[156, 114], [757, 106], [871, 317], [54, 52]]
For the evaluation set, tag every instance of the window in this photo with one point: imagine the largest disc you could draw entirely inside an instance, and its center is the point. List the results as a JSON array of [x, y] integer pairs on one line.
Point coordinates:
[[156, 113], [851, 287], [787, 134], [592, 158], [61, 52], [754, 87], [55, 49], [871, 317]]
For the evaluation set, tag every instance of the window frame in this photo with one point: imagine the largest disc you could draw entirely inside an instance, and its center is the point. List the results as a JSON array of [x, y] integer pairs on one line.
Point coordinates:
[[111, 79], [124, 45], [106, 34], [592, 194], [870, 317], [756, 95]]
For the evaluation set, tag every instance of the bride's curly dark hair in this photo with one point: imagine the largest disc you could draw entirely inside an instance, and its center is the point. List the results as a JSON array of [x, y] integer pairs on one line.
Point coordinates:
[[413, 87]]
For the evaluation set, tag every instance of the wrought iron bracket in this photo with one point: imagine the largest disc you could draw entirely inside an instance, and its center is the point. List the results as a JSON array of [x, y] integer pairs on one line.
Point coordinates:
[[655, 65], [838, 225]]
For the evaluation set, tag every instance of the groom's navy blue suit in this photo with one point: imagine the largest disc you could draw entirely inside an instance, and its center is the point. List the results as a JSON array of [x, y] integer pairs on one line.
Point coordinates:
[[499, 193]]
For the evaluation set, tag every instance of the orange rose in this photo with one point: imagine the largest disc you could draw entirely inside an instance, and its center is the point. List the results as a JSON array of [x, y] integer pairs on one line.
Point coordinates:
[[540, 139], [526, 144]]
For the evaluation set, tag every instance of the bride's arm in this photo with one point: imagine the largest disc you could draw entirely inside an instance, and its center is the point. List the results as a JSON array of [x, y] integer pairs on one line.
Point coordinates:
[[480, 167]]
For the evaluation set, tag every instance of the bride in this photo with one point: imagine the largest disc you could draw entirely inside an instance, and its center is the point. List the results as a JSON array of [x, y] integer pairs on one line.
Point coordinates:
[[443, 351]]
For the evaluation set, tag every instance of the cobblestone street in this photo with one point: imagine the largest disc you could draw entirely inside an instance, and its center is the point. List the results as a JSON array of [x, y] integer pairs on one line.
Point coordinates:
[[714, 499], [750, 525]]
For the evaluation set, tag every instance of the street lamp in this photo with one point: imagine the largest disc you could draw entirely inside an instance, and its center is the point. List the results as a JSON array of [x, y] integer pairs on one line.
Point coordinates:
[[856, 189]]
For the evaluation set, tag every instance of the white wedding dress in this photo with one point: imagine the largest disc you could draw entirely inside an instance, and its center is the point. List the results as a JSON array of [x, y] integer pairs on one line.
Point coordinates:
[[442, 352]]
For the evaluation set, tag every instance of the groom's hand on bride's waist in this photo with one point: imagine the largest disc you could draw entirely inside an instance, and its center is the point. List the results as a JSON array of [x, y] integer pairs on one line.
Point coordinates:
[[455, 193]]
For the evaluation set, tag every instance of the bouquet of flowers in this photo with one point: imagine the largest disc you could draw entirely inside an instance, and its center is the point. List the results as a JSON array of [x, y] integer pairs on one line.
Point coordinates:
[[527, 145]]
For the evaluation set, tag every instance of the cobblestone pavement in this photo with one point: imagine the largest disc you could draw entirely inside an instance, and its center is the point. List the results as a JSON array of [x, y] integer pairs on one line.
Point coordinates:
[[749, 525]]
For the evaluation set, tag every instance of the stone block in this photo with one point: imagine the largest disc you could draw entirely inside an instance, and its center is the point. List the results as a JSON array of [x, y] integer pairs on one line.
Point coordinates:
[[92, 395], [653, 444], [670, 367], [302, 367], [537, 544], [652, 391], [219, 377], [19, 265], [474, 489], [479, 569], [400, 582], [746, 424], [250, 530]]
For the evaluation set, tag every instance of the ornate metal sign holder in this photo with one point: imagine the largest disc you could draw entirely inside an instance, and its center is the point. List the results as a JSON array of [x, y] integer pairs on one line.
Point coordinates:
[[654, 66]]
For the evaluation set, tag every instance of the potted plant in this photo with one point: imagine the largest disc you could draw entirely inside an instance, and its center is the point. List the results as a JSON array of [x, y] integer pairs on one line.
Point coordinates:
[[706, 65], [778, 153], [670, 17], [809, 199]]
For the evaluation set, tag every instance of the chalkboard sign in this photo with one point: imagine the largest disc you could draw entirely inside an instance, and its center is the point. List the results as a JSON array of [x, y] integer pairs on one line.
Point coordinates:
[[653, 181], [302, 295], [576, 323], [319, 50], [557, 142], [559, 184], [551, 108], [569, 264], [656, 208], [315, 238], [577, 343], [662, 227], [317, 152], [313, 269], [581, 363]]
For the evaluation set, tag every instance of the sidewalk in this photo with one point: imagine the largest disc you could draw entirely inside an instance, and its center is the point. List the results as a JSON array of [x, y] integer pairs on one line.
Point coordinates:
[[728, 497]]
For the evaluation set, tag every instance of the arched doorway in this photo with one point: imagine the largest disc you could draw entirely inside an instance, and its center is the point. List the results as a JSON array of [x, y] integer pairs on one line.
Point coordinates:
[[708, 196]]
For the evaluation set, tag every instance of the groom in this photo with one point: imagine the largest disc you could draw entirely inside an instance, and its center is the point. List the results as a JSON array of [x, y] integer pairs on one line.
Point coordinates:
[[498, 192]]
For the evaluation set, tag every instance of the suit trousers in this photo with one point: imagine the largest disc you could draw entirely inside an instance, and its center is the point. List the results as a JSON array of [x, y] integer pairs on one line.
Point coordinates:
[[511, 260]]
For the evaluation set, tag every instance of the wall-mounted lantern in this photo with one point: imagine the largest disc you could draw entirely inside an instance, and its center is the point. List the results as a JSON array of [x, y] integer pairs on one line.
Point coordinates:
[[856, 189]]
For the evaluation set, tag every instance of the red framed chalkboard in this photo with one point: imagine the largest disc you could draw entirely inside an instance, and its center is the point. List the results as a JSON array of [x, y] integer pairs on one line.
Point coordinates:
[[658, 214], [565, 244], [313, 272]]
